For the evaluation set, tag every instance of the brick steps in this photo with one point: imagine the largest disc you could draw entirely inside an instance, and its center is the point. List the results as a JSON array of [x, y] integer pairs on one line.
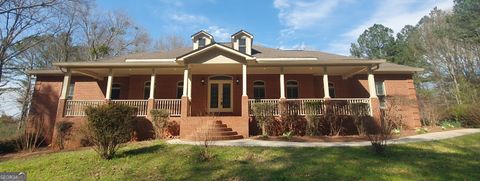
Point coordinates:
[[214, 131]]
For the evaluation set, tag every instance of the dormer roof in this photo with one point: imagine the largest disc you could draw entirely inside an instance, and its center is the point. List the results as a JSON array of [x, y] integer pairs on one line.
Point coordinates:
[[242, 32], [202, 32]]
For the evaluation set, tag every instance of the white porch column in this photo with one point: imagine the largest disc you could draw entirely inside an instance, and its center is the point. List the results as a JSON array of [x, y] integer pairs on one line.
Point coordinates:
[[282, 84], [371, 85], [185, 82], [108, 94], [66, 84], [244, 80], [189, 91], [152, 84], [326, 90]]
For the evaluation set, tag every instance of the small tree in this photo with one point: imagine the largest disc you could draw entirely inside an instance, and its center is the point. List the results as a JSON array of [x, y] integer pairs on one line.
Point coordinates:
[[263, 113], [390, 118], [160, 121], [109, 126], [63, 130]]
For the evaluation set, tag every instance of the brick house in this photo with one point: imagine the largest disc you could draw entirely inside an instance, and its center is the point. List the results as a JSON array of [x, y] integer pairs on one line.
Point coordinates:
[[221, 78]]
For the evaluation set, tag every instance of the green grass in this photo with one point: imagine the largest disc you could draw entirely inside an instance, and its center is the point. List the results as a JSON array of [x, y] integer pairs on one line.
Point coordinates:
[[452, 159]]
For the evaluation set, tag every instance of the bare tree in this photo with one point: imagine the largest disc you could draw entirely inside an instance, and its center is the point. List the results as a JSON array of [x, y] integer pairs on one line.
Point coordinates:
[[112, 34], [169, 42], [20, 19]]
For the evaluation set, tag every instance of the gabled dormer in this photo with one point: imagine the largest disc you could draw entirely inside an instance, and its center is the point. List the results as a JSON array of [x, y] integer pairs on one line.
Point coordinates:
[[201, 39], [242, 41]]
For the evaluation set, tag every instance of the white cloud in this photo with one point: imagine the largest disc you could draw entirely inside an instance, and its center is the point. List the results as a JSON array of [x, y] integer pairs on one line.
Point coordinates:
[[392, 14], [296, 15], [220, 34], [185, 18]]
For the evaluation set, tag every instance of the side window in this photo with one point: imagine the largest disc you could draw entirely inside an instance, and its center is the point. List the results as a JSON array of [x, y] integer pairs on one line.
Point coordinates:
[[331, 90], [380, 89], [146, 90], [179, 89], [115, 91], [258, 89], [292, 89], [71, 90]]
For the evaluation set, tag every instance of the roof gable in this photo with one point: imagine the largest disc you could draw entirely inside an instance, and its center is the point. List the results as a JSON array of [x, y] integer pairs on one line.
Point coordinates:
[[215, 53]]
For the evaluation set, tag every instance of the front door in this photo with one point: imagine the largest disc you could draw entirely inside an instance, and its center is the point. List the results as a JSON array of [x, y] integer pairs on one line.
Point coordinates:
[[220, 96]]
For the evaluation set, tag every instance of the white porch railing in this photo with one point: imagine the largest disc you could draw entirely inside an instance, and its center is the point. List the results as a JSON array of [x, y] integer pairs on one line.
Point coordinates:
[[141, 105], [172, 105], [77, 107], [341, 106], [273, 101]]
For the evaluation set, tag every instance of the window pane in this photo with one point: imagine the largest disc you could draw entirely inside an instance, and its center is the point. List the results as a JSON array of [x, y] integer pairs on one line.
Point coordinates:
[[379, 88], [146, 93], [201, 42], [331, 90], [115, 91], [71, 90], [213, 95], [259, 92], [179, 89], [226, 103], [242, 49], [292, 92]]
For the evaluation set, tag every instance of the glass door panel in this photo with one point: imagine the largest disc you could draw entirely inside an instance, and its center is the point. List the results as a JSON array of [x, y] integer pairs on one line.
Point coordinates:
[[214, 95], [226, 98]]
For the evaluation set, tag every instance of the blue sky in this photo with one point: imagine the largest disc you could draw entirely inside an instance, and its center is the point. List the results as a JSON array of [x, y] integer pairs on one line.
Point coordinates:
[[326, 25]]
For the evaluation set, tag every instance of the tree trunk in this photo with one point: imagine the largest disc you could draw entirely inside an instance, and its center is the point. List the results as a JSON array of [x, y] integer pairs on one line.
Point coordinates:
[[1, 69]]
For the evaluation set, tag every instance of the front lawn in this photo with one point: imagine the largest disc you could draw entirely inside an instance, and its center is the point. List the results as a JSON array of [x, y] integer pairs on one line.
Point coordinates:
[[452, 159]]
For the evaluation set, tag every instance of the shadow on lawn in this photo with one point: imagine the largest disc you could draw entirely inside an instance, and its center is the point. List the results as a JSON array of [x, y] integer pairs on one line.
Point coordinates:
[[141, 150], [401, 162]]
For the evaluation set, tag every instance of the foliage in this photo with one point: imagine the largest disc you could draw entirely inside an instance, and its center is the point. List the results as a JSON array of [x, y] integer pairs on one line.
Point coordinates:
[[450, 159], [422, 130], [360, 114], [313, 112], [448, 124], [287, 135], [8, 127], [109, 126], [332, 118], [33, 135], [63, 130], [467, 115], [160, 121], [376, 42], [290, 119], [263, 113]]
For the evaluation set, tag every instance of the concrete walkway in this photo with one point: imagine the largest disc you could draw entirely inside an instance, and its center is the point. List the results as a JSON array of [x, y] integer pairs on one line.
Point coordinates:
[[262, 143]]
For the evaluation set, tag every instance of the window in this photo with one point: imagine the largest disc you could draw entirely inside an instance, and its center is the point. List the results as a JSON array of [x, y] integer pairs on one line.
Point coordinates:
[[292, 89], [115, 91], [201, 42], [258, 89], [70, 91], [146, 90], [179, 89], [380, 89], [331, 90], [242, 45]]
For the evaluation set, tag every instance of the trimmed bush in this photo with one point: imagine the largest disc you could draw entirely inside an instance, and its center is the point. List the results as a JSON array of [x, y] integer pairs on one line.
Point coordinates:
[[290, 119], [160, 121], [108, 126], [263, 113], [63, 129]]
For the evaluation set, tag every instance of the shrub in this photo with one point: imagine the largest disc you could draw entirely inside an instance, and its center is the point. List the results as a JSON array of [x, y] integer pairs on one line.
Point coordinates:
[[313, 112], [287, 135], [8, 145], [421, 130], [263, 113], [468, 115], [448, 124], [290, 119], [63, 129], [390, 119], [360, 113], [109, 126], [160, 121], [33, 135], [333, 118]]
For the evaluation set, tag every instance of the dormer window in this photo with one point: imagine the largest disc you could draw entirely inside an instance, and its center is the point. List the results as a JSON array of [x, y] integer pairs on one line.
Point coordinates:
[[201, 39], [201, 42], [242, 45], [242, 42]]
